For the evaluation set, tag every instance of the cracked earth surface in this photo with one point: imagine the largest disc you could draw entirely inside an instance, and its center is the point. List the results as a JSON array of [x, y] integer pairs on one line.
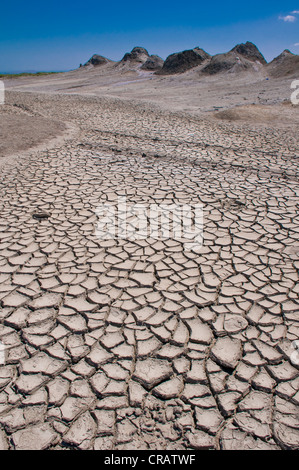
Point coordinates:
[[122, 344]]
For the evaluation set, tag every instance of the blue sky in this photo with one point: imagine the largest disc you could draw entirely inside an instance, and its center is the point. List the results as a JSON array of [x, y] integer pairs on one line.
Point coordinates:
[[59, 35]]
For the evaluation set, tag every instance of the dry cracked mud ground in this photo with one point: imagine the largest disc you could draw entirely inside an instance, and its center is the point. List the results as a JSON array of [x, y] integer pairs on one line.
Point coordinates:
[[123, 344]]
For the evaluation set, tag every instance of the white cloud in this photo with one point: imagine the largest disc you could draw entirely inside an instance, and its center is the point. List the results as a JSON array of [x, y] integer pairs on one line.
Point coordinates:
[[295, 12], [288, 18], [296, 44]]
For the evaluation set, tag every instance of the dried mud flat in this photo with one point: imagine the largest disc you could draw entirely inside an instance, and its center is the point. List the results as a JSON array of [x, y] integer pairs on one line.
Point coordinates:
[[142, 344]]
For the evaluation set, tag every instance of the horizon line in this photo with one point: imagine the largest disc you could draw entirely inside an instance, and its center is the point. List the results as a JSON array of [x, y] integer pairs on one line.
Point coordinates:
[[32, 71]]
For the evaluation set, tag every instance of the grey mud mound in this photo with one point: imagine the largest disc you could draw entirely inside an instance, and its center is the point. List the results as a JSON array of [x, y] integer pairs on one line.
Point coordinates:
[[98, 60], [138, 54], [182, 61], [154, 62], [230, 62], [285, 65], [143, 343], [242, 58], [250, 52]]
